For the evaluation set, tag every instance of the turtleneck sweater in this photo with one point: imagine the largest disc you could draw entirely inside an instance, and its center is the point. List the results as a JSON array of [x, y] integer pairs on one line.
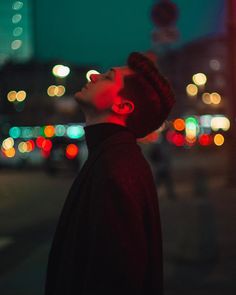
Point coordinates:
[[97, 133]]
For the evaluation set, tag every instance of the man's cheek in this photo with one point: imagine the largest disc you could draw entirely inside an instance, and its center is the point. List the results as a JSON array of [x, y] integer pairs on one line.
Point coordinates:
[[104, 100]]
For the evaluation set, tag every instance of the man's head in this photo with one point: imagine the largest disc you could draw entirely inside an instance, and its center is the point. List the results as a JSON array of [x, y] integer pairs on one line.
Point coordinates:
[[136, 95]]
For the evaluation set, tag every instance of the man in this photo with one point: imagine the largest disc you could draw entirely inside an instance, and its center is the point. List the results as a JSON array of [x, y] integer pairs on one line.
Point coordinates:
[[108, 239]]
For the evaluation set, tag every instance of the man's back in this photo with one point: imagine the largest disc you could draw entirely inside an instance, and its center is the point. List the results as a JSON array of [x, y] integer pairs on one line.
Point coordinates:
[[108, 239]]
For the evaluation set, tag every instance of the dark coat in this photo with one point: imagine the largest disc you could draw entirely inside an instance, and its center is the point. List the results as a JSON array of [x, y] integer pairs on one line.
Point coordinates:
[[108, 239]]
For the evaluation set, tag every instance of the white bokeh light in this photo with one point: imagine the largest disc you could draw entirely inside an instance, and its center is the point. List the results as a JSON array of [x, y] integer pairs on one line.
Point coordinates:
[[60, 71], [89, 73]]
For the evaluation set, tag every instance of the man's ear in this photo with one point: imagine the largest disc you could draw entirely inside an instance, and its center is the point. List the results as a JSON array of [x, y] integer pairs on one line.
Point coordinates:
[[124, 107]]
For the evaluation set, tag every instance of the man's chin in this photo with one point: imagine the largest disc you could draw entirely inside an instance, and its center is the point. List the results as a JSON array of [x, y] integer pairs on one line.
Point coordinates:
[[79, 96]]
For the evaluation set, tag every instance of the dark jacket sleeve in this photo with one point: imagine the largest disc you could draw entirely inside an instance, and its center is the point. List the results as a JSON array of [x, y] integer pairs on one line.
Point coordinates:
[[118, 246]]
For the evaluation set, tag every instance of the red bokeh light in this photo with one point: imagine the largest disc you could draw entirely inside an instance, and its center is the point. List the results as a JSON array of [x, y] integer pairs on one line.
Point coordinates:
[[205, 139], [178, 139], [30, 145], [39, 141], [47, 145], [72, 151]]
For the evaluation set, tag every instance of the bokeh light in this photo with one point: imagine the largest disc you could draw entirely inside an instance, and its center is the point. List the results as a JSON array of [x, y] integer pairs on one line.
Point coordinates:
[[206, 98], [16, 18], [219, 139], [14, 95], [11, 96], [191, 130], [17, 5], [90, 72], [47, 145], [16, 44], [215, 98], [27, 132], [192, 90], [10, 153], [17, 31], [49, 131], [39, 141], [179, 124], [21, 95], [54, 90], [30, 145], [178, 139], [71, 151], [37, 131], [220, 122], [15, 132], [22, 147], [60, 71], [60, 90], [215, 64], [8, 143], [75, 131], [60, 130], [205, 139], [51, 90], [205, 121], [199, 79]]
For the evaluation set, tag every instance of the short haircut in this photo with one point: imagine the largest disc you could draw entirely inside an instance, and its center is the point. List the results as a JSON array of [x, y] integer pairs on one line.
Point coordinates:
[[151, 94]]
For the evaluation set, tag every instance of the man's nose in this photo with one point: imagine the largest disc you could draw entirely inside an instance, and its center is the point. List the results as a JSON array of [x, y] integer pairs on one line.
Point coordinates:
[[94, 77]]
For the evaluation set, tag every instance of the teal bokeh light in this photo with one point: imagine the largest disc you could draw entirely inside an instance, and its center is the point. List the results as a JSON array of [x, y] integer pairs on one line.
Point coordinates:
[[60, 130], [27, 132], [15, 132], [75, 131]]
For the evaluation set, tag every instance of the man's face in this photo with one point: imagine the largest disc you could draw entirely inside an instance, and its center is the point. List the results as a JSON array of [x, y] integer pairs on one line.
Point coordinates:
[[102, 91]]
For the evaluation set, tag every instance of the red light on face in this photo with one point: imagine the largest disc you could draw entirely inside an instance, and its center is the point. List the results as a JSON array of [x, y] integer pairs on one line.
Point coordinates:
[[72, 151], [205, 139]]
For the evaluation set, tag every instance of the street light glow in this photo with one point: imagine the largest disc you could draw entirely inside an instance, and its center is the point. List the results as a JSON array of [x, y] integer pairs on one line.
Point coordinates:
[[199, 79], [89, 73], [60, 71], [192, 90], [206, 98], [215, 98]]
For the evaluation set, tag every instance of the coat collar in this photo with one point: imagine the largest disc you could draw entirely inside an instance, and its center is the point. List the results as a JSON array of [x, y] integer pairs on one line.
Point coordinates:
[[121, 137], [97, 133]]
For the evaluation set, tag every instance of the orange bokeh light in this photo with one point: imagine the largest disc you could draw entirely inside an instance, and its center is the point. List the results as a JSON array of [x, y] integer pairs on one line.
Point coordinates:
[[49, 131], [179, 124]]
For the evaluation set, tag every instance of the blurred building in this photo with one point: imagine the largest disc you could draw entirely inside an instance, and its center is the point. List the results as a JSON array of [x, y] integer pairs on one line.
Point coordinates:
[[198, 72], [16, 31]]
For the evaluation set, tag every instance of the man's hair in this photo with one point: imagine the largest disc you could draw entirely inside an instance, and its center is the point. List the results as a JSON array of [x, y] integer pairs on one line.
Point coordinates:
[[151, 94]]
